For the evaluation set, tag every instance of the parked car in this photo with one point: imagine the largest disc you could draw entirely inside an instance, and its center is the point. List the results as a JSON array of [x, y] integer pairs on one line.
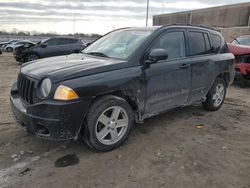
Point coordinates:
[[242, 40], [54, 46], [3, 44], [20, 49], [12, 46], [242, 62], [129, 74]]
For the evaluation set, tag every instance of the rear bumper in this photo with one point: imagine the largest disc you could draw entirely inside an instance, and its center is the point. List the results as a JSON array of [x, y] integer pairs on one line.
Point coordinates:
[[54, 120]]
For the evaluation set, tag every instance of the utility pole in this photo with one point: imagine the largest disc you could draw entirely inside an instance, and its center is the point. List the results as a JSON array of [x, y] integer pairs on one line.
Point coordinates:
[[74, 23], [248, 24], [147, 13], [191, 17]]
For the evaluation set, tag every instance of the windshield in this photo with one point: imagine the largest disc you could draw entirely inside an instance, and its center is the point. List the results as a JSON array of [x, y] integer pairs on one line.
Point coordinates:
[[118, 44], [243, 41]]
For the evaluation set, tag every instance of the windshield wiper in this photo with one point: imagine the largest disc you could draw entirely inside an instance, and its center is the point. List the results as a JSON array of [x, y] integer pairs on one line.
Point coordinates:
[[98, 54]]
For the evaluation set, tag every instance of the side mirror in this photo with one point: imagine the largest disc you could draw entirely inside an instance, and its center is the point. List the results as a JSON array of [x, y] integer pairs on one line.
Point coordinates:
[[88, 43], [43, 45], [157, 54]]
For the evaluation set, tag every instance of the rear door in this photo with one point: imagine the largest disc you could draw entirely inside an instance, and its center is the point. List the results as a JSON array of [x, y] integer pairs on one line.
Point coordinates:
[[66, 46], [167, 84], [202, 63]]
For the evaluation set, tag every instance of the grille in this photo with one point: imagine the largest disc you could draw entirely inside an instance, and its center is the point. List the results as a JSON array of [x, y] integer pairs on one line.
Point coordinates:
[[25, 88]]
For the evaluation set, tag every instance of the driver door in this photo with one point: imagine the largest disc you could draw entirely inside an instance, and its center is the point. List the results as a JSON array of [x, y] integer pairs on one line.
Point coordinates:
[[168, 81], [50, 48]]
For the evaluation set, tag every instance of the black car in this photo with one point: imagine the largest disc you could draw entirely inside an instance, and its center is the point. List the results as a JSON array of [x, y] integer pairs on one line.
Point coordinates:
[[54, 46], [127, 75], [20, 50]]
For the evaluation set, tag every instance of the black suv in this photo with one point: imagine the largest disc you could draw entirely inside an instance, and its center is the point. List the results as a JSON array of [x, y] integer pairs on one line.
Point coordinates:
[[54, 46], [129, 74]]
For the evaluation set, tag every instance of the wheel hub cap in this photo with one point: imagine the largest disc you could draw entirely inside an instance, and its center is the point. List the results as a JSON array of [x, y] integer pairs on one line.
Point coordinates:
[[218, 95], [111, 125]]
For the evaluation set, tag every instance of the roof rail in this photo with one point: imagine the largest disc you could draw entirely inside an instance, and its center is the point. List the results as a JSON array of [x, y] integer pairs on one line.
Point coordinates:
[[187, 24]]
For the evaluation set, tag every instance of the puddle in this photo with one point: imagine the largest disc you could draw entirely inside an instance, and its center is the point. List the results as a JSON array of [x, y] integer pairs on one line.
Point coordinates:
[[67, 160]]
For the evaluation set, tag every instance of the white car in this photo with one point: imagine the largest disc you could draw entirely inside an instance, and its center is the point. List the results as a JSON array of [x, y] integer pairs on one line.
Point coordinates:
[[3, 44], [11, 47]]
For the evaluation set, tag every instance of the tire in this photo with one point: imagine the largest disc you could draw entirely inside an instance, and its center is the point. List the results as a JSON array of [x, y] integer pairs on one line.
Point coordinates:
[[9, 49], [216, 95], [101, 131], [31, 57], [243, 82]]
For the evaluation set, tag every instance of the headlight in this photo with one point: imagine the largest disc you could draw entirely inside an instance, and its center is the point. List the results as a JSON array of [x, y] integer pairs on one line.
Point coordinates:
[[45, 87], [65, 93]]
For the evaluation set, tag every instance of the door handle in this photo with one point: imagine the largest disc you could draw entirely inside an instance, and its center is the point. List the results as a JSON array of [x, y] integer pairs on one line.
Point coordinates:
[[184, 65]]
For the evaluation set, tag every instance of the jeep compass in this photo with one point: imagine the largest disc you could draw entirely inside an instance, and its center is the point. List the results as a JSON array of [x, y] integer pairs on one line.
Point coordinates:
[[125, 76]]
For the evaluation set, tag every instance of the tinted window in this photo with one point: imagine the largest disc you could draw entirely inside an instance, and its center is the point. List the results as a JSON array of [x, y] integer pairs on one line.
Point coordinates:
[[66, 41], [174, 43], [197, 43], [216, 42]]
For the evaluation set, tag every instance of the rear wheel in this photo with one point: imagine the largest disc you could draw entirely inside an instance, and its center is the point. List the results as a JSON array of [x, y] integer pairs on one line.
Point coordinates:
[[108, 123], [9, 49], [31, 57], [216, 95]]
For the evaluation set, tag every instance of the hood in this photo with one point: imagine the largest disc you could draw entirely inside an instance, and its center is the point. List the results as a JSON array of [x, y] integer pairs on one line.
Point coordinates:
[[238, 49], [70, 66]]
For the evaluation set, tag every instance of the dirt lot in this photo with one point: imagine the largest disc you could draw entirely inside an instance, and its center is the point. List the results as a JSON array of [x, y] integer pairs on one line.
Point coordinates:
[[166, 151]]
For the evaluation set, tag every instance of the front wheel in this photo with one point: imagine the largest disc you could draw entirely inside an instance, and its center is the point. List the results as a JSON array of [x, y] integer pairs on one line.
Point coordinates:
[[215, 96], [31, 57], [108, 123]]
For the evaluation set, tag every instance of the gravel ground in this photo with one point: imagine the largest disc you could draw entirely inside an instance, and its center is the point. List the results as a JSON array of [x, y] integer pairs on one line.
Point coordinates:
[[166, 151]]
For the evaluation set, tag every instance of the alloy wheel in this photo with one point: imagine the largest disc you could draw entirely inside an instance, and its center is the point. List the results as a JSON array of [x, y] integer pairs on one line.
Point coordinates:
[[111, 125], [218, 95]]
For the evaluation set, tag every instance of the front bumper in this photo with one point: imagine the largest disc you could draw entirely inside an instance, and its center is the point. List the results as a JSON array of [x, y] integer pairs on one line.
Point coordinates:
[[19, 58], [56, 120]]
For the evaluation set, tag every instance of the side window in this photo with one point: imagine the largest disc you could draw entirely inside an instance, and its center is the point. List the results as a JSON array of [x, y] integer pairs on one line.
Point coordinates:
[[51, 42], [173, 43], [63, 41], [197, 43], [216, 42]]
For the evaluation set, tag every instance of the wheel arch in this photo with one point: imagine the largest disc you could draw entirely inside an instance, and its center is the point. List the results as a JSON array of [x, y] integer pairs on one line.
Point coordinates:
[[121, 94], [32, 52], [225, 76]]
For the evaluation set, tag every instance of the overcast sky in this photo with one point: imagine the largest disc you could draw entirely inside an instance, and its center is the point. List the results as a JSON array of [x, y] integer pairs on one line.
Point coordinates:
[[91, 16]]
